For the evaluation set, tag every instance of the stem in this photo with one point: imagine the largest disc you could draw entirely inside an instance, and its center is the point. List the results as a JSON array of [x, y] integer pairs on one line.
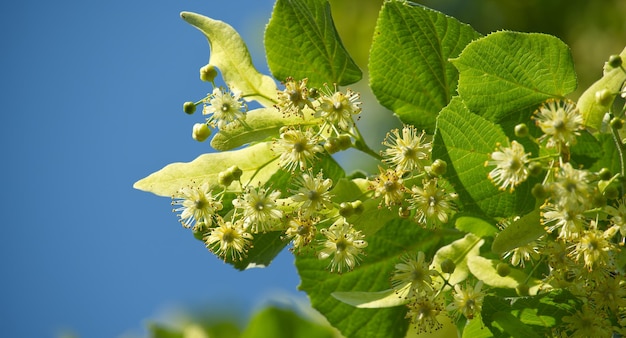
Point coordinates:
[[620, 148], [360, 144]]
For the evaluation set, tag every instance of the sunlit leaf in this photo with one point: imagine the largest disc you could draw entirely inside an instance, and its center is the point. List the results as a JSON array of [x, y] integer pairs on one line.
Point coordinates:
[[372, 300], [301, 42], [518, 233], [259, 125], [476, 226], [257, 163], [275, 322], [458, 252], [593, 111], [485, 270], [465, 141], [508, 74], [230, 55], [409, 69]]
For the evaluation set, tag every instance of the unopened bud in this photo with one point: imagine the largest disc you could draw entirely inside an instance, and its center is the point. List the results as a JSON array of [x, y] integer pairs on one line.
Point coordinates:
[[236, 172], [448, 266], [200, 132], [439, 167], [189, 107], [604, 97], [615, 61], [503, 269], [208, 73], [521, 130], [346, 209], [358, 207]]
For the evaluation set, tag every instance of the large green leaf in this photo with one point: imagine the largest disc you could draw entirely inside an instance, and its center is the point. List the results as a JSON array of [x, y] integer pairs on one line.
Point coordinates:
[[255, 161], [593, 110], [275, 322], [528, 316], [487, 271], [259, 125], [383, 252], [230, 54], [507, 73], [465, 140], [524, 230], [301, 42], [409, 69]]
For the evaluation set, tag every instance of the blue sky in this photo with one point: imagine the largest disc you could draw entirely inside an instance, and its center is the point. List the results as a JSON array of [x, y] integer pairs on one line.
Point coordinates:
[[91, 102]]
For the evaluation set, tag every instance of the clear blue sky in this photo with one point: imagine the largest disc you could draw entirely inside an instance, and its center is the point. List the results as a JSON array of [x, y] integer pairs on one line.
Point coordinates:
[[91, 102]]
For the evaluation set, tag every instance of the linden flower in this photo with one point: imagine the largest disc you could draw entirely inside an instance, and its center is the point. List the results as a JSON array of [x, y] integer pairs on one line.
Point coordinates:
[[594, 247], [224, 108], [587, 323], [570, 222], [560, 121], [313, 192], [389, 185], [572, 188], [619, 215], [408, 151], [297, 148], [195, 204], [343, 243], [338, 108], [523, 253], [413, 272], [423, 313], [468, 301], [611, 293], [301, 231], [229, 240], [259, 208], [432, 203], [294, 97], [511, 166]]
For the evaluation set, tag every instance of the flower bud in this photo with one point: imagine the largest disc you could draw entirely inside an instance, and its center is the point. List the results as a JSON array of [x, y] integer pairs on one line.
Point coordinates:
[[346, 209], [610, 192], [439, 167], [503, 269], [208, 73], [617, 123], [522, 290], [332, 145], [605, 174], [200, 132], [404, 212], [615, 61], [236, 172], [344, 141], [225, 178], [448, 266], [604, 97], [521, 130], [189, 107], [314, 93], [358, 207]]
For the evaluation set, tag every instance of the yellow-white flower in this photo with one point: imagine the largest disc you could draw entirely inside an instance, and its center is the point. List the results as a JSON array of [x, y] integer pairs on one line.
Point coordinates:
[[343, 243], [229, 240], [195, 204], [224, 108], [297, 148], [259, 209], [337, 108], [413, 272], [294, 97], [432, 204], [560, 122], [408, 151], [313, 193], [467, 301], [511, 166]]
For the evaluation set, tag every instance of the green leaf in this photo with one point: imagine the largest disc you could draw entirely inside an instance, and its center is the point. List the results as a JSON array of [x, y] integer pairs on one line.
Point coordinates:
[[521, 232], [230, 54], [528, 316], [301, 42], [383, 252], [409, 69], [459, 252], [265, 247], [485, 270], [464, 140], [506, 74], [373, 300], [256, 161], [592, 110], [281, 323], [476, 226], [260, 124]]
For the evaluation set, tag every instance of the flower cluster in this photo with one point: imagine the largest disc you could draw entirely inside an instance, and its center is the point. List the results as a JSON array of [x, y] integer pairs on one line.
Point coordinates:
[[582, 218]]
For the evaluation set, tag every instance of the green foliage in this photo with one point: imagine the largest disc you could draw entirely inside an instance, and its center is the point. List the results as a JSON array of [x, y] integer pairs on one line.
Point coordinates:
[[409, 69], [401, 251], [506, 74], [302, 42]]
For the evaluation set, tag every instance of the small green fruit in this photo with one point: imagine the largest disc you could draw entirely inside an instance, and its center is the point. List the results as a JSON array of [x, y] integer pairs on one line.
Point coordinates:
[[208, 73], [189, 107], [200, 132]]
